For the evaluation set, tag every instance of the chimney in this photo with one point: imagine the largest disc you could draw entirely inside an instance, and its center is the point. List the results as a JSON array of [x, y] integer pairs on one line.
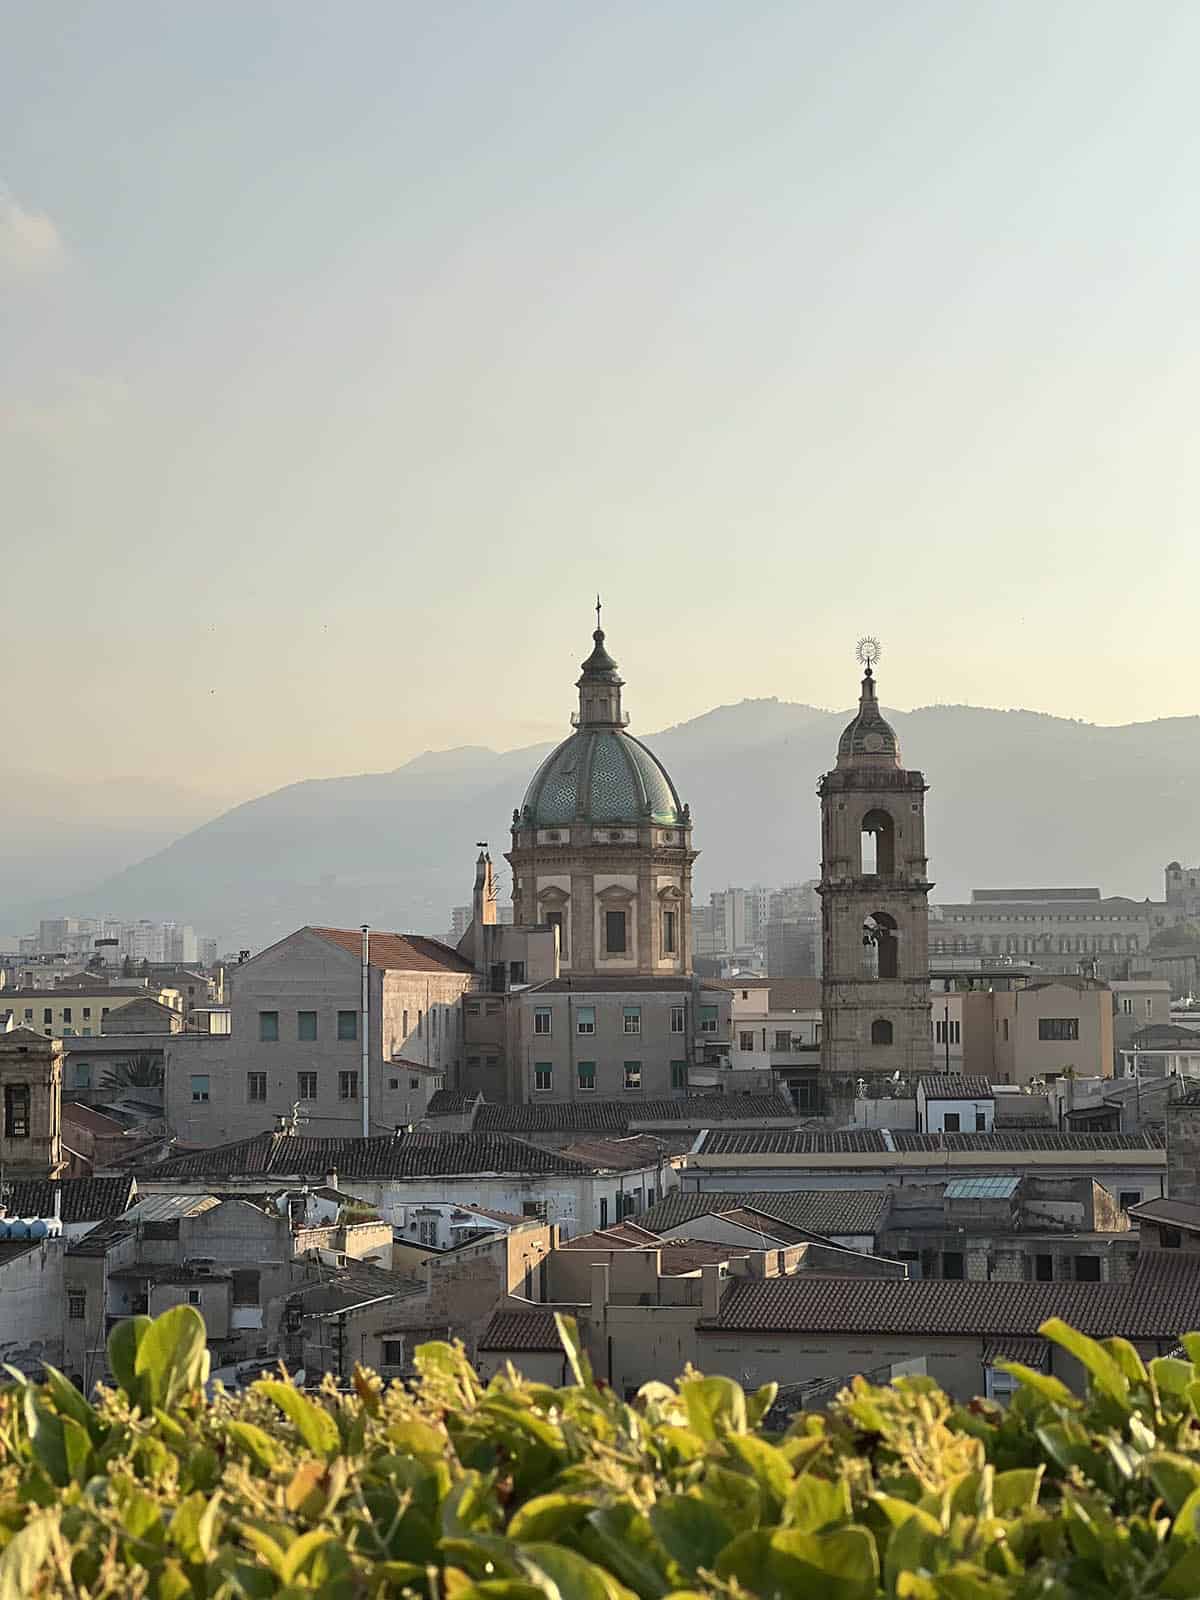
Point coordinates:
[[331, 1178], [599, 1286], [483, 898], [710, 1288], [58, 1202]]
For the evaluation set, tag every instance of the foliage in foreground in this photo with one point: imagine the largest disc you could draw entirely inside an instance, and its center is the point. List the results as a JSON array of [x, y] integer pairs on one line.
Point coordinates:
[[518, 1491]]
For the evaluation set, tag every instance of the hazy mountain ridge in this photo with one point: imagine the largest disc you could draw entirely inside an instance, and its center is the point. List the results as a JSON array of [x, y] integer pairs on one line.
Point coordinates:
[[1016, 797]]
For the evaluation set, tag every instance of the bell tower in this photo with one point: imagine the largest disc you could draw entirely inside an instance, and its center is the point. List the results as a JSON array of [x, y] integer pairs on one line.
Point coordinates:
[[874, 892]]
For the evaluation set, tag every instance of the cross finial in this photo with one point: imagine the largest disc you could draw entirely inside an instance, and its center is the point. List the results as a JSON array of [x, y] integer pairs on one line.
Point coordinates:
[[597, 613]]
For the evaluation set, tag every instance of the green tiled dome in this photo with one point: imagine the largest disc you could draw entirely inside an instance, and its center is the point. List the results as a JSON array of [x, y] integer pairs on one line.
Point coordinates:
[[601, 775]]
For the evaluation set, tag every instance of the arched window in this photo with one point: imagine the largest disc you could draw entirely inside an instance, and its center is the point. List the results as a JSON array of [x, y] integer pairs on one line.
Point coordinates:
[[878, 845], [881, 1031], [881, 958]]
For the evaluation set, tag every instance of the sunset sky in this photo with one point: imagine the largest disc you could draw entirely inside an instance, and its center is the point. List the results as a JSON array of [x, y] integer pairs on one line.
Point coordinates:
[[346, 350]]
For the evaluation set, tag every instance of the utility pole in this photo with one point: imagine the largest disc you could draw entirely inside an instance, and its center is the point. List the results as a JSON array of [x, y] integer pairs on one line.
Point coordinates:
[[364, 1030]]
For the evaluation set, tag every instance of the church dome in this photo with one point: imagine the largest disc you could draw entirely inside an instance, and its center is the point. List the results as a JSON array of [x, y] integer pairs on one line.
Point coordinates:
[[869, 736], [601, 773]]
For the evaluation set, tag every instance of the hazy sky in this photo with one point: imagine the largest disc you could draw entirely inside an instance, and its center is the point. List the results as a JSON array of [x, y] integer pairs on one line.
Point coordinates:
[[346, 349]]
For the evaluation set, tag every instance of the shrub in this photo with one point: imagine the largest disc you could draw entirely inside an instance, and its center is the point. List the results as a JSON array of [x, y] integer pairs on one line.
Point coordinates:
[[454, 1490]]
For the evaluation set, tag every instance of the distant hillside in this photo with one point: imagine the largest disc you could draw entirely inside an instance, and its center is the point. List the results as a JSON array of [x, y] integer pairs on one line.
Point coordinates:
[[1016, 798]]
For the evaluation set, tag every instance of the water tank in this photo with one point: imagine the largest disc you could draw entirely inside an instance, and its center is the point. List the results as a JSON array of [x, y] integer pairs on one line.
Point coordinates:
[[38, 1228]]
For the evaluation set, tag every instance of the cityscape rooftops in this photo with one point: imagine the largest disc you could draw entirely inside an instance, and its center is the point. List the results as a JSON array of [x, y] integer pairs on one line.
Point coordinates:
[[828, 1212]]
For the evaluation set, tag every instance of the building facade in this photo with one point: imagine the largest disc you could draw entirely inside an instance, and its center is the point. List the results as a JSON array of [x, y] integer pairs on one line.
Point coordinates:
[[874, 905]]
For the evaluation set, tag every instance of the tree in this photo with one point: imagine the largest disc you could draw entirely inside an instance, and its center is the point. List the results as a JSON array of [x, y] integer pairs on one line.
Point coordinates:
[[141, 1071]]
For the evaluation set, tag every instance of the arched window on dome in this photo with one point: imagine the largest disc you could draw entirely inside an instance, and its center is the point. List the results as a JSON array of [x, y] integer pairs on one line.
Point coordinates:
[[878, 845], [881, 1031], [881, 958]]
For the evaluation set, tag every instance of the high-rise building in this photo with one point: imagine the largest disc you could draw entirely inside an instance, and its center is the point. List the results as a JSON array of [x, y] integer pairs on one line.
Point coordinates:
[[874, 904]]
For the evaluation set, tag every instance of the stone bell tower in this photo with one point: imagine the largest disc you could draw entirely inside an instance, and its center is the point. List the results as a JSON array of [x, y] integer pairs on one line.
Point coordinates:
[[874, 892]]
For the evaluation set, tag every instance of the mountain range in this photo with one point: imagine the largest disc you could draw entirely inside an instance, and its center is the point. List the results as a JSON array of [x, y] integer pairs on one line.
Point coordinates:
[[1016, 797]]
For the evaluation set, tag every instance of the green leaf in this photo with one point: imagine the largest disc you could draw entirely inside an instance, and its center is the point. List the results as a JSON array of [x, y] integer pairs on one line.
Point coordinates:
[[173, 1582], [25, 1556], [620, 1538], [1105, 1371], [577, 1360], [192, 1527], [816, 1503], [172, 1356], [255, 1443], [573, 1576], [1041, 1383], [123, 1344], [317, 1555], [312, 1422], [767, 1465], [760, 1402], [714, 1405], [1175, 1477], [68, 1401], [1182, 1582], [1017, 1490], [1172, 1376], [548, 1515], [837, 1566], [1127, 1358], [691, 1533]]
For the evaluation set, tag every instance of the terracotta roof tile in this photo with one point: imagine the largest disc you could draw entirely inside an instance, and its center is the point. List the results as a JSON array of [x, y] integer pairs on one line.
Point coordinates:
[[405, 1155], [1160, 1302], [768, 1141], [398, 952], [627, 1154], [521, 1330], [823, 1211], [617, 1116], [939, 1086], [83, 1199]]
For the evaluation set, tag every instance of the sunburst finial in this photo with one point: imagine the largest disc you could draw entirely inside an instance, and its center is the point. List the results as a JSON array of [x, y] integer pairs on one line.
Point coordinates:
[[868, 650]]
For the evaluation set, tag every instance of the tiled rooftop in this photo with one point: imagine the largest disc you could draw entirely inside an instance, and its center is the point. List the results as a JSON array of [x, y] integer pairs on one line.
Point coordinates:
[[398, 952], [616, 1116], [781, 1141], [765, 1141], [449, 1103], [1160, 1302], [823, 1211], [628, 1154], [406, 1155], [521, 1330], [83, 1199], [940, 1087]]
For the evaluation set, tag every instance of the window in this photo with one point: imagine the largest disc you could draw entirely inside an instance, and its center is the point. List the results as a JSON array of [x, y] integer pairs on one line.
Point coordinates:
[[76, 1304], [1004, 1030], [953, 1028], [87, 1013], [256, 1086], [104, 1010], [47, 1015], [413, 1083], [881, 1031], [404, 1025], [543, 1077], [708, 1019], [516, 972], [1058, 1027], [245, 1286], [677, 1013], [420, 1023], [952, 1264], [614, 933], [268, 1026], [587, 1076], [679, 1075], [83, 1075], [347, 1085], [668, 932], [491, 1061], [28, 1013], [746, 1039], [306, 1086], [393, 1083], [193, 1297], [585, 1019], [1129, 1197], [950, 1122], [1087, 1269], [1170, 1238], [604, 1212], [66, 1013], [981, 1122], [306, 1025], [199, 1088], [1043, 1269], [472, 1011], [633, 1074], [633, 1019], [543, 1020], [783, 1038], [555, 920], [347, 1025], [427, 1230], [393, 1349], [1127, 1005]]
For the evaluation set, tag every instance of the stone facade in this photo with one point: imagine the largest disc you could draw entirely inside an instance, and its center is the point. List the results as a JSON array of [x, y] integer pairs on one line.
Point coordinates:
[[601, 846], [874, 905], [31, 1074]]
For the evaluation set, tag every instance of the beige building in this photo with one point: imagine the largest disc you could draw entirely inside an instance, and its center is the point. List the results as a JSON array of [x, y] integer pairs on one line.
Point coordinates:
[[301, 1043], [31, 1071], [80, 1009], [1044, 1029], [874, 890], [601, 844]]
